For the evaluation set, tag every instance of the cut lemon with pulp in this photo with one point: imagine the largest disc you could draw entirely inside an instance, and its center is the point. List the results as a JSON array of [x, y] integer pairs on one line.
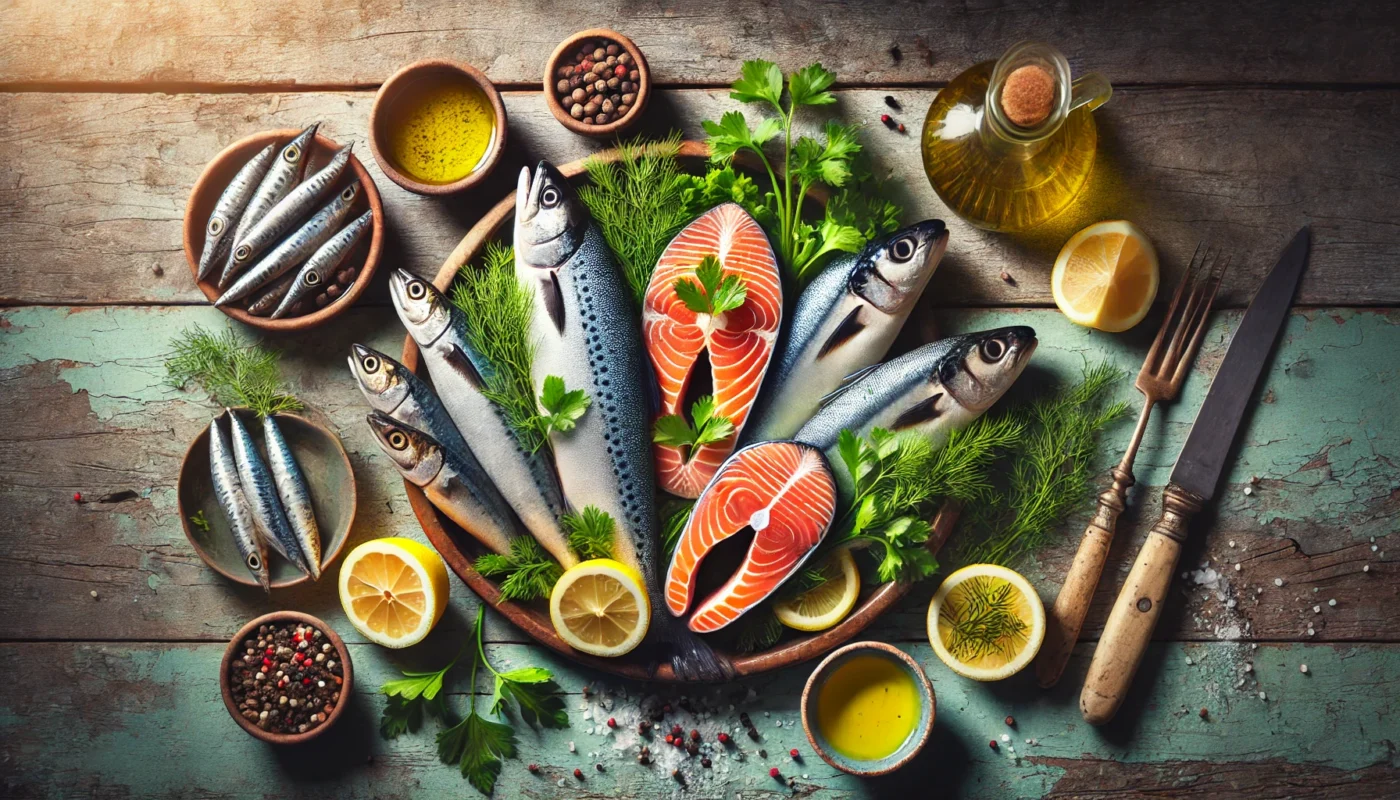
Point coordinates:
[[824, 605], [393, 590], [600, 608], [986, 622], [1106, 276]]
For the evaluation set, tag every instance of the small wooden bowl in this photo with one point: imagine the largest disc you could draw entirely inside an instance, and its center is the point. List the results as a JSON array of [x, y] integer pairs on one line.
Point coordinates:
[[216, 177], [381, 114], [912, 745], [231, 653], [329, 478], [557, 58]]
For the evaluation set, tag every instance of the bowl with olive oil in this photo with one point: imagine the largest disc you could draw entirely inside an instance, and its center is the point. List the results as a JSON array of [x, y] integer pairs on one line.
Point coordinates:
[[437, 127], [868, 708]]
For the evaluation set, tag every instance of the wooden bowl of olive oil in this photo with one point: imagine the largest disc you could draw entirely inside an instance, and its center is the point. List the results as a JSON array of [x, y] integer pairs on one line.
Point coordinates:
[[437, 127]]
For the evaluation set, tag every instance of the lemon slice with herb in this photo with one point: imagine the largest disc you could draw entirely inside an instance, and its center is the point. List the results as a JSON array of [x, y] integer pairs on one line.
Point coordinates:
[[393, 590], [829, 602], [986, 622], [1106, 276], [600, 607]]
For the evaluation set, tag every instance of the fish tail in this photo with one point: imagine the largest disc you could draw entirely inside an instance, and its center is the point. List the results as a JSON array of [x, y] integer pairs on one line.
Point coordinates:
[[692, 659]]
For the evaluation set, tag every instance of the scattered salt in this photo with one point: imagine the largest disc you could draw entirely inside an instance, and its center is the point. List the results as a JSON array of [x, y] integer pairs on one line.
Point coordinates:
[[1248, 490], [572, 749], [1263, 696], [1189, 662], [1317, 609], [1375, 547], [1303, 668], [1232, 542], [1248, 667], [1332, 602], [1311, 631], [1005, 737], [1237, 568], [1366, 568], [1278, 581]]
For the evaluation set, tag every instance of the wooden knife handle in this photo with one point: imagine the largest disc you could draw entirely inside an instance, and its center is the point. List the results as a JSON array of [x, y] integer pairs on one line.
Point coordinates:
[[1135, 612], [1066, 618]]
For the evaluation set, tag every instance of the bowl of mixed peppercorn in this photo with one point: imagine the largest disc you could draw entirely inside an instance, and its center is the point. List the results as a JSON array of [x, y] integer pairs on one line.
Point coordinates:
[[284, 676], [596, 82]]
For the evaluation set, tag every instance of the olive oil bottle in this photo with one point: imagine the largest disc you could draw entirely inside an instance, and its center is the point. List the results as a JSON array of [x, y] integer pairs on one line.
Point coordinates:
[[1008, 144]]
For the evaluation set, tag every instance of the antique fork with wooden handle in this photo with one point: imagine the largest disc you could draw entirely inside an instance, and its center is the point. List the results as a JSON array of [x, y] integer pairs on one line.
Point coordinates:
[[1159, 380]]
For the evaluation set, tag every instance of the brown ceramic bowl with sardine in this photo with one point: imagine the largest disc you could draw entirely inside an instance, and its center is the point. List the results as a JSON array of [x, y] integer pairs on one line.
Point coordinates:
[[324, 250], [255, 720]]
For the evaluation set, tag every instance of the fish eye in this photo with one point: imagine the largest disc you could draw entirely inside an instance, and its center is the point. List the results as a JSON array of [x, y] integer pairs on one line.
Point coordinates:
[[242, 253], [550, 197], [371, 364], [902, 249], [312, 279], [397, 440], [417, 291], [216, 226], [348, 194], [292, 153], [993, 350], [254, 563]]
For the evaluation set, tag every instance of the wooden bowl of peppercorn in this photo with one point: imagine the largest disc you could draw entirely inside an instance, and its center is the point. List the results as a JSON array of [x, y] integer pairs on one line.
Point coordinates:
[[278, 632], [596, 83]]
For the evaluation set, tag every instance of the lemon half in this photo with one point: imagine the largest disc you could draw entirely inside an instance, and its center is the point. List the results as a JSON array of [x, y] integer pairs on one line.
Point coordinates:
[[600, 607], [986, 622], [1106, 276], [825, 605], [393, 590]]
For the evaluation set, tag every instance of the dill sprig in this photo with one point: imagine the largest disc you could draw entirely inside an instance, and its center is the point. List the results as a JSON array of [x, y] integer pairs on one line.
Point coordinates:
[[497, 311], [230, 371], [590, 532], [530, 574], [983, 619], [673, 520], [758, 630]]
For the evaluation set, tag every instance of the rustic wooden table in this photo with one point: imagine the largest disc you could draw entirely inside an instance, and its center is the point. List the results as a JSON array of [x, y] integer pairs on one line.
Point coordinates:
[[1232, 123]]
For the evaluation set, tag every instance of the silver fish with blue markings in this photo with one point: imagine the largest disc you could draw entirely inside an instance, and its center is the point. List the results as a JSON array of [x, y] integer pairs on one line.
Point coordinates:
[[588, 334], [266, 299], [460, 490], [295, 248], [316, 272], [261, 491], [392, 390], [223, 471], [459, 374], [844, 321], [290, 210], [296, 497], [219, 230], [280, 179]]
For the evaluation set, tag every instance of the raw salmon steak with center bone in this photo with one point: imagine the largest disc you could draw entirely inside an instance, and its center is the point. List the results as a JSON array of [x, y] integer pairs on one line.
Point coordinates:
[[784, 491], [740, 342]]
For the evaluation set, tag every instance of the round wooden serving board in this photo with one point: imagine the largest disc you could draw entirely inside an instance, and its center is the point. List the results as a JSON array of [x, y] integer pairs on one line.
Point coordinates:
[[460, 550]]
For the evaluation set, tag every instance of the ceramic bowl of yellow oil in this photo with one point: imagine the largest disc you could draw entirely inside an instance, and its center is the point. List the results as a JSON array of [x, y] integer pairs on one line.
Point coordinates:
[[868, 708], [437, 127]]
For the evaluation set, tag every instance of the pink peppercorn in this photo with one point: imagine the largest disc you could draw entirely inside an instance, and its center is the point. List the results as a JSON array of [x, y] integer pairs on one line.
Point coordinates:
[[723, 737], [793, 752], [612, 723], [775, 773]]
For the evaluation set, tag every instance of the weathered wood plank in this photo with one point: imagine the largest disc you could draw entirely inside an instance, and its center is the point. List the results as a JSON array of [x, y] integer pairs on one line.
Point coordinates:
[[216, 41], [93, 187], [86, 411], [96, 718]]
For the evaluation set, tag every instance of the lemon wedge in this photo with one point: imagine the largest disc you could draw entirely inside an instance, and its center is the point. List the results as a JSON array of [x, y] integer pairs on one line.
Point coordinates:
[[1106, 276], [986, 622], [393, 590], [600, 607], [824, 605]]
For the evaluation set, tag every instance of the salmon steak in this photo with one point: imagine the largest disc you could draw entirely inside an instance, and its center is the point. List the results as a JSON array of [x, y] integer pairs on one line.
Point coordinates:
[[785, 492], [739, 342]]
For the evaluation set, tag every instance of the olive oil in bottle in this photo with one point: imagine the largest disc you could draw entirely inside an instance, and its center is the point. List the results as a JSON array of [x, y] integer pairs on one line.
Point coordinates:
[[1008, 144]]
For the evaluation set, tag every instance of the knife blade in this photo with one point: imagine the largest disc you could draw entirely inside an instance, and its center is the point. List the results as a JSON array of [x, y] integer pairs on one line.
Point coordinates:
[[1202, 458]]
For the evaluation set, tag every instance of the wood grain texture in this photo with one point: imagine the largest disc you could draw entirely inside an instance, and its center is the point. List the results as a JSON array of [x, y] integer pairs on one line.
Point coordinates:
[[93, 187], [701, 42]]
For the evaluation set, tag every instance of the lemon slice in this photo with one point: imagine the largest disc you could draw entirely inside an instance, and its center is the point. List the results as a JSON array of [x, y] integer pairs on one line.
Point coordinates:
[[393, 590], [600, 607], [825, 605], [1106, 276], [986, 622]]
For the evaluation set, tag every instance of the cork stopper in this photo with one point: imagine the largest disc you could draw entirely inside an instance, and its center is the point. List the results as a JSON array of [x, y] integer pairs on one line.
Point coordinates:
[[1028, 95]]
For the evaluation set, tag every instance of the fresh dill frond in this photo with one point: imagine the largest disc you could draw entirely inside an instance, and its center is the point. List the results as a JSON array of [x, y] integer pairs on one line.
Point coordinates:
[[497, 311], [759, 630], [673, 524], [530, 574], [961, 470], [591, 532], [982, 619], [230, 371]]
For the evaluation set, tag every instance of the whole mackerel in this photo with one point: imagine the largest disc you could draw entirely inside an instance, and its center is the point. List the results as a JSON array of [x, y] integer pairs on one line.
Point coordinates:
[[296, 497], [223, 471], [459, 374], [289, 210], [392, 390], [219, 231], [588, 333], [844, 321], [316, 272], [280, 179], [295, 248], [461, 490], [261, 491]]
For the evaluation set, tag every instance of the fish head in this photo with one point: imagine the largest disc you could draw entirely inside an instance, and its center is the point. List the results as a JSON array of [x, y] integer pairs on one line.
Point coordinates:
[[549, 218], [980, 367], [421, 306], [416, 454], [296, 150], [379, 378], [891, 273]]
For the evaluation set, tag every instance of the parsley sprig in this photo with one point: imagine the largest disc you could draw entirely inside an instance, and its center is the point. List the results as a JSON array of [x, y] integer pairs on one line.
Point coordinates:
[[715, 293], [562, 406], [709, 427]]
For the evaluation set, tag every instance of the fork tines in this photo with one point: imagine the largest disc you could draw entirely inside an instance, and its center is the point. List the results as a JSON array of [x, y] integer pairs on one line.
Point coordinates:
[[1187, 328]]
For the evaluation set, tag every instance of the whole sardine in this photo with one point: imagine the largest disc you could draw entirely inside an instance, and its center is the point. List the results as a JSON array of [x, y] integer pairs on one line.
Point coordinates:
[[589, 335], [316, 272], [280, 179], [296, 497], [229, 492], [266, 299], [261, 491], [459, 374], [461, 491], [845, 320], [289, 210], [393, 391], [219, 231], [295, 248]]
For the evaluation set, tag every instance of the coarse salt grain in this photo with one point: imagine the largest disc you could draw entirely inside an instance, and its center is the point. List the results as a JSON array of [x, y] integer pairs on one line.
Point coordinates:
[[1263, 696], [1237, 568], [1005, 737], [1332, 602], [1278, 581], [1248, 490], [1303, 668]]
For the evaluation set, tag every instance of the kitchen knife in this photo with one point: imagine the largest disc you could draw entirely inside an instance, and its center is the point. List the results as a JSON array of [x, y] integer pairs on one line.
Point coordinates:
[[1192, 485]]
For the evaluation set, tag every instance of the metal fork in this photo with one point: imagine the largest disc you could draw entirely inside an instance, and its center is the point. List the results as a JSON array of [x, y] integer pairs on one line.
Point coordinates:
[[1159, 380]]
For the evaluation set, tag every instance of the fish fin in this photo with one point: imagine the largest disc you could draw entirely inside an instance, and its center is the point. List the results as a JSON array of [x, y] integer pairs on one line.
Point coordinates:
[[553, 299], [463, 366], [846, 383], [692, 659], [849, 327], [922, 411]]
